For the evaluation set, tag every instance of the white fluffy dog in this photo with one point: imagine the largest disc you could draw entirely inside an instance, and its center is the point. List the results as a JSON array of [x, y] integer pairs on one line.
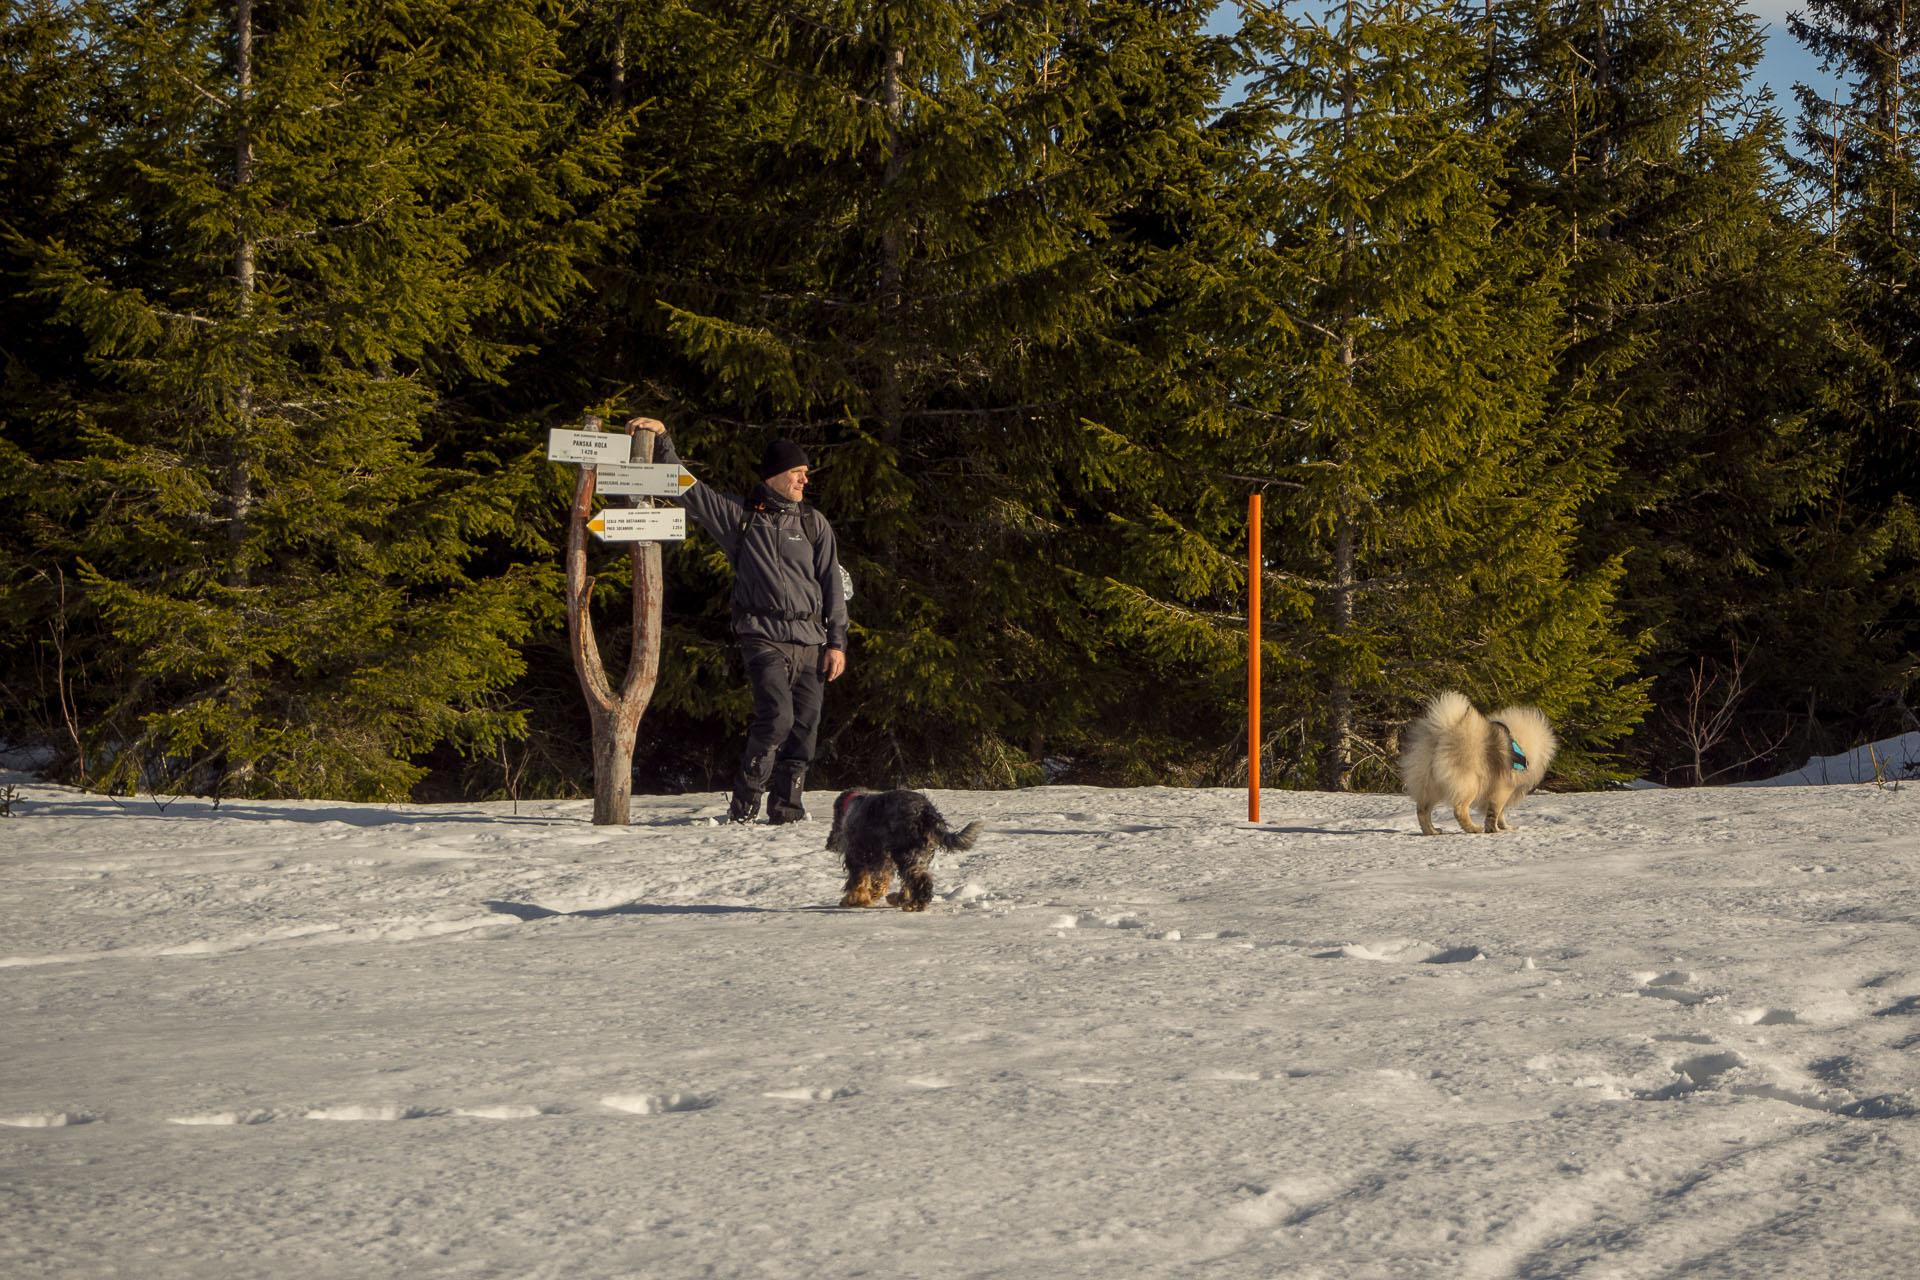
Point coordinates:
[[1455, 756]]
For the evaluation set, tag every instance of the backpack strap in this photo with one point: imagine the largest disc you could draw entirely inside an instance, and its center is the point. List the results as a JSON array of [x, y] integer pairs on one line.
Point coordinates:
[[810, 519]]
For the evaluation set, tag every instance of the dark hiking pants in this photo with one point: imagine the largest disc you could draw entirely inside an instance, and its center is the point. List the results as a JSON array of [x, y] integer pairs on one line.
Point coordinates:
[[787, 692]]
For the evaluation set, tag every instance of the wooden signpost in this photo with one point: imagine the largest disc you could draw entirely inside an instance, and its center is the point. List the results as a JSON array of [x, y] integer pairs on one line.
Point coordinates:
[[616, 715]]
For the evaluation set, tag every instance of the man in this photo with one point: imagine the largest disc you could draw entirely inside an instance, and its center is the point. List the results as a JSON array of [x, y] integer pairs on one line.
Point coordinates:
[[789, 616]]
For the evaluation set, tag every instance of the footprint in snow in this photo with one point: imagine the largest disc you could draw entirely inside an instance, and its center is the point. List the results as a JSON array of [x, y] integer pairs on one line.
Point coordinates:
[[1284, 1201], [1724, 1071], [653, 1104], [1700, 1071], [1707, 1069], [809, 1095], [970, 894], [225, 1118], [1105, 919], [46, 1119], [1403, 951], [1768, 1018], [387, 1111], [1385, 951], [1672, 985], [1115, 920]]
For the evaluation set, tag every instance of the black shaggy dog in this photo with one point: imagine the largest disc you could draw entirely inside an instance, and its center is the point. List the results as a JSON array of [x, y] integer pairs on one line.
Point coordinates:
[[875, 832]]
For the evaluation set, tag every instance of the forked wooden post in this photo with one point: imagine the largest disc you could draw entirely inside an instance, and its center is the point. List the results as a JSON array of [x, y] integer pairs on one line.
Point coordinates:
[[615, 717], [1253, 658]]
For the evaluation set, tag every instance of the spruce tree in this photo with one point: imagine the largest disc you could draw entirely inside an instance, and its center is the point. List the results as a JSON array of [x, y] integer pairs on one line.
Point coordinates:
[[46, 136], [935, 243], [1397, 379], [1700, 317], [1860, 168], [1858, 164], [316, 214]]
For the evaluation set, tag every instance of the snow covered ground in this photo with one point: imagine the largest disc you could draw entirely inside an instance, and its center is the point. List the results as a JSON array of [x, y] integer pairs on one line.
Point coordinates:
[[1645, 1034], [1893, 759]]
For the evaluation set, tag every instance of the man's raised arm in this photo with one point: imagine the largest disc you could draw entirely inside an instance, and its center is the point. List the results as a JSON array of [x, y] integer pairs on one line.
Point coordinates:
[[718, 513]]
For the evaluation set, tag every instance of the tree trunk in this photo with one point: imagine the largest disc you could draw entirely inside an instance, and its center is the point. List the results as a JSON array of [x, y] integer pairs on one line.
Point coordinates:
[[1339, 762], [613, 739], [892, 252], [238, 447], [1489, 74], [617, 77], [239, 466], [892, 278], [1337, 772]]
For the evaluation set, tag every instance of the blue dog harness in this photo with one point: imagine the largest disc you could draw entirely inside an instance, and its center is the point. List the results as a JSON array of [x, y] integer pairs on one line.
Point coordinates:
[[1514, 752]]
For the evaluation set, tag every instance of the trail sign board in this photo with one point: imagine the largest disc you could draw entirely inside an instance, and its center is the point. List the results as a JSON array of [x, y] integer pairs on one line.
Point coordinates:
[[587, 447], [647, 479], [639, 524]]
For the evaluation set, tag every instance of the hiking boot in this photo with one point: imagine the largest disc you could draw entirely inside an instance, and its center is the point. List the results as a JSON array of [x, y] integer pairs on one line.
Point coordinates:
[[744, 807], [783, 798]]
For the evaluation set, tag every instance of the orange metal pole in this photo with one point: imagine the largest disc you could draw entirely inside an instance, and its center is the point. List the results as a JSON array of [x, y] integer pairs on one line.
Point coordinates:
[[1253, 658]]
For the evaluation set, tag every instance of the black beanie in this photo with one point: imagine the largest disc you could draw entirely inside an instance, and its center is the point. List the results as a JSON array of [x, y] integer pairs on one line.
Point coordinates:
[[781, 455]]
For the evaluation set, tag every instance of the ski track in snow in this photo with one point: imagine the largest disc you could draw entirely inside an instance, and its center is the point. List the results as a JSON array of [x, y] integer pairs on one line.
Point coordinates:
[[1644, 1034]]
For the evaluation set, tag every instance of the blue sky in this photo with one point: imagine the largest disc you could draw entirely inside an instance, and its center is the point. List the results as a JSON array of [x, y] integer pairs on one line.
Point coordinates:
[[1785, 63]]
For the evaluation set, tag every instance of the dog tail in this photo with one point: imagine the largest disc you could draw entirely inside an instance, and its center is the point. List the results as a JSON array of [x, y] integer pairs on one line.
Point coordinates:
[[1425, 758], [1449, 710], [963, 838]]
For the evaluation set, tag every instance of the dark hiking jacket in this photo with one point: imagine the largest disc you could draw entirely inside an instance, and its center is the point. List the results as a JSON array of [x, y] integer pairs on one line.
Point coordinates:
[[786, 567]]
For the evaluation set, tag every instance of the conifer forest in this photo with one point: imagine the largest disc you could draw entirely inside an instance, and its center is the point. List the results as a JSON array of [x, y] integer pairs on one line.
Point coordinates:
[[1572, 367]]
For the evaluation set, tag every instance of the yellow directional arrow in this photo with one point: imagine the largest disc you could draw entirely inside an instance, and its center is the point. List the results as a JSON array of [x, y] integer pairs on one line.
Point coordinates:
[[598, 524]]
